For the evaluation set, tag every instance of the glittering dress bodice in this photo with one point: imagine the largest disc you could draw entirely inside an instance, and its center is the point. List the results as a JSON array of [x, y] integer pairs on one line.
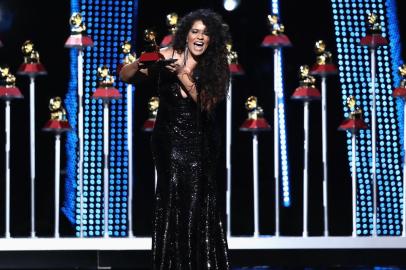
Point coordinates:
[[187, 231]]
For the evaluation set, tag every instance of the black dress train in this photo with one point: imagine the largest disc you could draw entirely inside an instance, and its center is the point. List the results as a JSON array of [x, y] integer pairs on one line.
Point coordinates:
[[187, 229]]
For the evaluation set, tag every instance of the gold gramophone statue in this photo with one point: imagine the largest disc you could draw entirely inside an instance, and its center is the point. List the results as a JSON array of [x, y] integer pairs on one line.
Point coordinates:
[[307, 89], [77, 27], [153, 106], [324, 60], [402, 72], [232, 57], [373, 23], [105, 90], [129, 55], [401, 90], [373, 36], [8, 89], [31, 56], [78, 37], [354, 122], [277, 38], [172, 23], [255, 121], [151, 53], [32, 65], [58, 122]]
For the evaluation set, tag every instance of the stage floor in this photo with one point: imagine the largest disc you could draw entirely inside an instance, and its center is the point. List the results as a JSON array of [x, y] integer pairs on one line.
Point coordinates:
[[235, 243], [135, 253]]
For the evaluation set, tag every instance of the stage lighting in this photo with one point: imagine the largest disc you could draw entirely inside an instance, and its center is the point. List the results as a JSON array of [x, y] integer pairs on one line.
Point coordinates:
[[230, 5]]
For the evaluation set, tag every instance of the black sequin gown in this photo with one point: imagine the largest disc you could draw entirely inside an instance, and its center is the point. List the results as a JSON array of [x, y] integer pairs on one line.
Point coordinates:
[[187, 230]]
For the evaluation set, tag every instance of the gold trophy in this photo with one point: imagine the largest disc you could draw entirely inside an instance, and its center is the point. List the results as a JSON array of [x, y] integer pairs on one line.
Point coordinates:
[[324, 60], [58, 112], [8, 89], [354, 122], [232, 57], [151, 53], [105, 90], [32, 65], [401, 90], [323, 57], [129, 56], [76, 24], [374, 36], [6, 78], [374, 26], [153, 106], [58, 122], [255, 121], [104, 78], [172, 23], [307, 90], [277, 38], [355, 112], [78, 37], [305, 79], [275, 26], [402, 72], [31, 56]]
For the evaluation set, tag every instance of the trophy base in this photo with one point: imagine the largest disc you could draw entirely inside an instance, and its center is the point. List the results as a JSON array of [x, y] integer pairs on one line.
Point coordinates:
[[323, 70], [255, 125], [57, 126], [352, 125], [373, 41], [236, 69], [150, 57], [166, 41], [149, 125], [31, 69], [306, 94], [9, 93], [106, 93], [78, 41], [276, 41], [399, 92]]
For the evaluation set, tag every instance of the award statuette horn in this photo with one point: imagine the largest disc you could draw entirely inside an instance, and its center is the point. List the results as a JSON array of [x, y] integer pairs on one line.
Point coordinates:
[[172, 23]]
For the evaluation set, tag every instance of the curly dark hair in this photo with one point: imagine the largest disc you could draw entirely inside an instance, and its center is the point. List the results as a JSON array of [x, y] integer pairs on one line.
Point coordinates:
[[212, 73]]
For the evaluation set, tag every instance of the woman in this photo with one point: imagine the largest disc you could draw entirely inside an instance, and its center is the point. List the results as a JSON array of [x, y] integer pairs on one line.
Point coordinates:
[[187, 230]]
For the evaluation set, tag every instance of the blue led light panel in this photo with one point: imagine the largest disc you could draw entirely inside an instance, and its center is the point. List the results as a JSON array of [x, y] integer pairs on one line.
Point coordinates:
[[350, 19], [284, 161], [109, 23]]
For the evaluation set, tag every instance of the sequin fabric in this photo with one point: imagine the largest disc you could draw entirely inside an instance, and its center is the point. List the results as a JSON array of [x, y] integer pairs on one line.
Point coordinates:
[[187, 229]]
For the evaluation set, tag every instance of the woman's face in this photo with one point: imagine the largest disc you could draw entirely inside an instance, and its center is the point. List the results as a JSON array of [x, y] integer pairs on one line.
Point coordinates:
[[197, 38]]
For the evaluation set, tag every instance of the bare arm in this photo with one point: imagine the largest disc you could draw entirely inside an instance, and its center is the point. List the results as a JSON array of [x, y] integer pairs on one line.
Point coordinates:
[[133, 72]]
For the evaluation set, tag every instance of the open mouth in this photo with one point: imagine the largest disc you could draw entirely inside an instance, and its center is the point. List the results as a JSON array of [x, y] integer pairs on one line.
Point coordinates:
[[198, 45]]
